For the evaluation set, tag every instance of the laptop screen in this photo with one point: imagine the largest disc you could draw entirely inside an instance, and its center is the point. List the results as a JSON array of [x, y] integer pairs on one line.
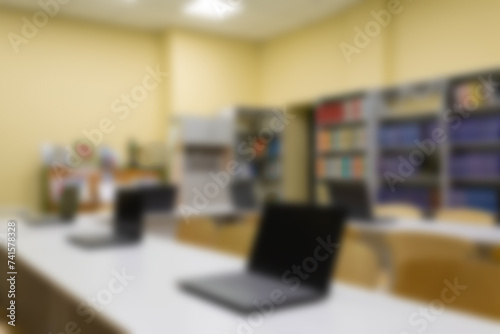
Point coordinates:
[[128, 213], [160, 198], [243, 195], [353, 197], [298, 242]]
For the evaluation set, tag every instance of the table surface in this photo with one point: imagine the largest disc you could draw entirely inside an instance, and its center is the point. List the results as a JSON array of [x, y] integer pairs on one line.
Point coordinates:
[[152, 301], [474, 233]]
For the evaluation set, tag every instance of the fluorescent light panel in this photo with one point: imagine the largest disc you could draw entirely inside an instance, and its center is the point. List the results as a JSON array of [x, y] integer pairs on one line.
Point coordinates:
[[213, 9]]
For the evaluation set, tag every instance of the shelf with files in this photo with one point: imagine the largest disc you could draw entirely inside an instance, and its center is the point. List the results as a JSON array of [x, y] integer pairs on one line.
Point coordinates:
[[473, 173], [258, 151], [343, 152], [341, 136], [415, 117], [341, 180], [475, 146], [407, 170]]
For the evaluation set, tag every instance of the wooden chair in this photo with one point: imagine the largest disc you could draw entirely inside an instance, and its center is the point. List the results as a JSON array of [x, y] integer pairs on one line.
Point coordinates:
[[200, 231], [420, 262], [495, 254], [236, 238], [465, 216], [357, 264], [482, 295], [397, 210]]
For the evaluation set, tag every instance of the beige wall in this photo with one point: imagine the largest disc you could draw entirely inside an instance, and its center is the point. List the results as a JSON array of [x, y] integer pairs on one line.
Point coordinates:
[[210, 72], [427, 39], [309, 63], [63, 82], [434, 38]]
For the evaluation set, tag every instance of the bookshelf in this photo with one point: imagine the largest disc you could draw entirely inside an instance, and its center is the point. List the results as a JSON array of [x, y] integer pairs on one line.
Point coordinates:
[[342, 133], [473, 174], [458, 117], [409, 167], [258, 151]]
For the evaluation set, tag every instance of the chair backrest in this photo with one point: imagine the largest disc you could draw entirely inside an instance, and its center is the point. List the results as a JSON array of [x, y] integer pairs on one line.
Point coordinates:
[[397, 210], [357, 264], [201, 231], [481, 294], [420, 262], [465, 216], [406, 246], [237, 237]]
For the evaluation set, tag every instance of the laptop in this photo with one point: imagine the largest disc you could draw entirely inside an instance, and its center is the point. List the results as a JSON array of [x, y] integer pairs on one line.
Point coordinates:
[[291, 263], [243, 195], [158, 198], [67, 208], [127, 218], [355, 198]]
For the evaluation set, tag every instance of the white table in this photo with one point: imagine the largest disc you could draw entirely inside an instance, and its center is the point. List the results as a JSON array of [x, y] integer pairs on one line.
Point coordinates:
[[153, 303], [479, 234]]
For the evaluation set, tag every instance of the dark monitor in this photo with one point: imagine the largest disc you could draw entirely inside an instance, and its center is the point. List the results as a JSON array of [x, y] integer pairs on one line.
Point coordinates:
[[243, 195], [160, 198], [354, 197], [129, 208], [298, 235]]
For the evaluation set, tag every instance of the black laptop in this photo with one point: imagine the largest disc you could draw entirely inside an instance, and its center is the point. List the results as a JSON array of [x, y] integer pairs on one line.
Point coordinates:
[[243, 195], [291, 262], [355, 198], [128, 215], [158, 198]]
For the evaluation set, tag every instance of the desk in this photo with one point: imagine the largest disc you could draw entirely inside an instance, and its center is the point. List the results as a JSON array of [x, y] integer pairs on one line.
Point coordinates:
[[152, 303], [478, 234]]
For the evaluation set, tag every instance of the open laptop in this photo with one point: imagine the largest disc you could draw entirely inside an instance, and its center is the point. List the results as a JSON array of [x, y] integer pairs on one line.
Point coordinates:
[[158, 198], [355, 198], [128, 214], [243, 195], [291, 262]]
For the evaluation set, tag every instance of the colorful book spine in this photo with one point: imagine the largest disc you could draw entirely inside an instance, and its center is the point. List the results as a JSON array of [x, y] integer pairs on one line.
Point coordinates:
[[340, 111], [340, 167]]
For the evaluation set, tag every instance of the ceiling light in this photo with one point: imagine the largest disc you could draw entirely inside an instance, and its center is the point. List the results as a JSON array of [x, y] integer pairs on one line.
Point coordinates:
[[213, 9]]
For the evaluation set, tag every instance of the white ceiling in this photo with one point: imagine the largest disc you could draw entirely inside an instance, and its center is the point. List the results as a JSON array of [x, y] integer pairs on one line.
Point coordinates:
[[259, 19]]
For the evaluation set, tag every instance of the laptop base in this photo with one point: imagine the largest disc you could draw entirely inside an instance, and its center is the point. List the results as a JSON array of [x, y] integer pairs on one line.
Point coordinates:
[[100, 241], [246, 292]]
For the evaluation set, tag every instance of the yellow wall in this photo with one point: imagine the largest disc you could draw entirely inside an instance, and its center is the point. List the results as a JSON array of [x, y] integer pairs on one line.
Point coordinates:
[[63, 82], [435, 38], [309, 63], [426, 40], [210, 72]]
